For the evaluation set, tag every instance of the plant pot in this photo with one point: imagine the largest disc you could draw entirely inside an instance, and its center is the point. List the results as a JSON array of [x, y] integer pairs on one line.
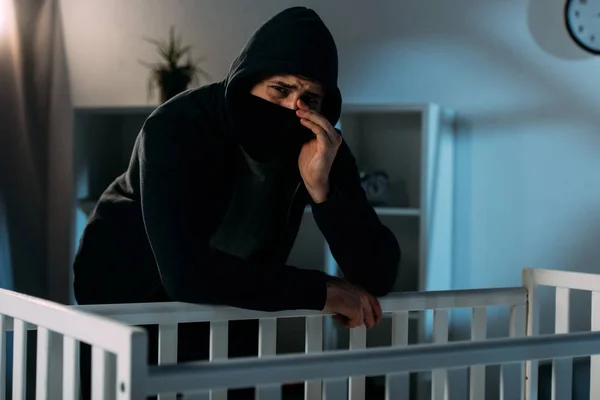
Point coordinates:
[[172, 83]]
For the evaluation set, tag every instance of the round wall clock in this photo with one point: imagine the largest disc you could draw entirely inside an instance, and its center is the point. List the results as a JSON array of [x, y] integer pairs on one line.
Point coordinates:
[[582, 18]]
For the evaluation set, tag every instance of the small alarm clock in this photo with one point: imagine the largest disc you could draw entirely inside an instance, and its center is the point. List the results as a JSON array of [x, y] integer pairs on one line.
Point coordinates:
[[582, 18], [376, 187]]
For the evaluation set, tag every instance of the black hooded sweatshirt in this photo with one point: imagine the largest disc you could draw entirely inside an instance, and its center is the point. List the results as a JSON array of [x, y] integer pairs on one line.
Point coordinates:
[[149, 235]]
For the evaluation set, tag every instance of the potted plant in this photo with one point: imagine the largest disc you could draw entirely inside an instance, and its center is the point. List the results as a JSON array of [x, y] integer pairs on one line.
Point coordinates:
[[171, 76]]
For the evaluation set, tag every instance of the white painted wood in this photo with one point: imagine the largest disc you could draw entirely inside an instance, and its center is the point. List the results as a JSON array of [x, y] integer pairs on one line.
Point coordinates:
[[86, 327], [371, 362], [595, 359], [19, 360], [167, 351], [132, 368], [437, 175], [111, 336], [565, 279], [530, 279], [477, 372], [356, 384], [267, 346], [439, 377], [517, 328], [313, 344], [175, 312], [397, 386], [103, 375], [48, 365], [219, 345], [70, 369], [562, 369], [2, 357]]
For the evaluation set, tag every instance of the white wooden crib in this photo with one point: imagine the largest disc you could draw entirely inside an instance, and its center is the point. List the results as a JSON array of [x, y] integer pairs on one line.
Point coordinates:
[[119, 351]]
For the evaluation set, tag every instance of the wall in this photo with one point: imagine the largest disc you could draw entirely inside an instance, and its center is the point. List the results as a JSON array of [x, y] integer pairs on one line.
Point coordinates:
[[527, 185]]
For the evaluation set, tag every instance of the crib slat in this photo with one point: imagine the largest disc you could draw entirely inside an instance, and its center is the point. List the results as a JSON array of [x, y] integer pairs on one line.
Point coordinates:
[[2, 357], [397, 385], [477, 372], [533, 329], [595, 360], [516, 329], [219, 345], [313, 344], [70, 369], [132, 369], [562, 369], [167, 351], [267, 346], [19, 359], [103, 375], [48, 365], [356, 384], [439, 379]]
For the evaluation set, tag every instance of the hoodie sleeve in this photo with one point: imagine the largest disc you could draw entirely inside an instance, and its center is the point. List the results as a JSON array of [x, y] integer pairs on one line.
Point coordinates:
[[366, 250], [176, 186]]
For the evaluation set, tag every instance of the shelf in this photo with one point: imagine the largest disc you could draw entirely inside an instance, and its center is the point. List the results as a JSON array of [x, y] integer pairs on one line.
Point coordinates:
[[389, 211]]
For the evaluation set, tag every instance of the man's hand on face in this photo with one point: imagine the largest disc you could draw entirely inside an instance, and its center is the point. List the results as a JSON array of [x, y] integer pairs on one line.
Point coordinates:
[[316, 156]]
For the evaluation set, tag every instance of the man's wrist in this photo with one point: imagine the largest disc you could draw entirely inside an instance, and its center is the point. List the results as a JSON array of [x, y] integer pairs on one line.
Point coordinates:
[[319, 194]]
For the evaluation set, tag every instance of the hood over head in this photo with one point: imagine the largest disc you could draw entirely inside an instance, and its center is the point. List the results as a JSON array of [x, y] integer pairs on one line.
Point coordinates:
[[297, 42]]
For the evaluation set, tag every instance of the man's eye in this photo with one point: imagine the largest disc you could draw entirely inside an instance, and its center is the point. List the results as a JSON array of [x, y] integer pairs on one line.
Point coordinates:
[[280, 89]]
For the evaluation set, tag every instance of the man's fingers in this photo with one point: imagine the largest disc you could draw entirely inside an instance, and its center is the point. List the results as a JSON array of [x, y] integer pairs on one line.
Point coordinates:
[[368, 315], [332, 136], [359, 319], [317, 130], [376, 306]]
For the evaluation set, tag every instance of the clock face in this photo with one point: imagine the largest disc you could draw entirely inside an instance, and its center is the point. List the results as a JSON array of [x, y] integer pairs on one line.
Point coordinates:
[[582, 18]]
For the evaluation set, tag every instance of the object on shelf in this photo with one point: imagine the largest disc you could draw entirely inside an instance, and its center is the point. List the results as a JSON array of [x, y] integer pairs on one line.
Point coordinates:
[[170, 76], [376, 187]]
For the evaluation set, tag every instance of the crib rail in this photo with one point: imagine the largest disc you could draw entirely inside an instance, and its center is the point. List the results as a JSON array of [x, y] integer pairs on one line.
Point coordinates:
[[59, 329], [177, 312], [336, 364], [564, 283], [398, 306]]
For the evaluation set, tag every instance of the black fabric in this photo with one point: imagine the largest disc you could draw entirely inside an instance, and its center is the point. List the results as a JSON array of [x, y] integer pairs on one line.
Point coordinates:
[[152, 226], [267, 129]]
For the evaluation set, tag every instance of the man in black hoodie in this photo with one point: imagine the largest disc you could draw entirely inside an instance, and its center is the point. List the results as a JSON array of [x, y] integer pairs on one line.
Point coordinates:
[[219, 177]]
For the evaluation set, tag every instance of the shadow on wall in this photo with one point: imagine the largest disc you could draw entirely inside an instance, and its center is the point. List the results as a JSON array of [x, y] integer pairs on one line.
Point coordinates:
[[544, 14]]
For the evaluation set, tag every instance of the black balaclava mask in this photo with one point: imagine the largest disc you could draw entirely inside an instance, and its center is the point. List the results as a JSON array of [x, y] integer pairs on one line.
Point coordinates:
[[268, 129], [295, 42]]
